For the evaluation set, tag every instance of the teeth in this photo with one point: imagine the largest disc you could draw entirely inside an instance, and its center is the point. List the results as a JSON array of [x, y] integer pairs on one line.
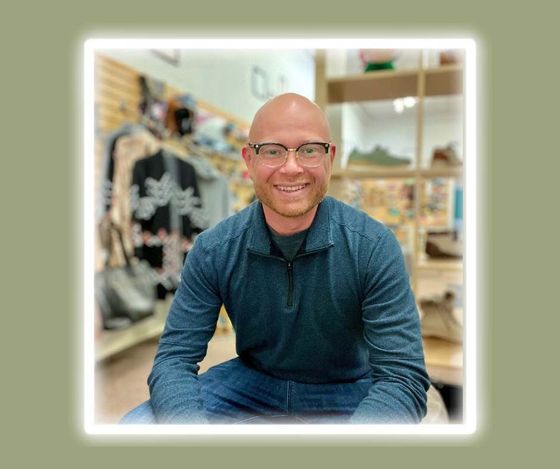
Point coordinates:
[[290, 188]]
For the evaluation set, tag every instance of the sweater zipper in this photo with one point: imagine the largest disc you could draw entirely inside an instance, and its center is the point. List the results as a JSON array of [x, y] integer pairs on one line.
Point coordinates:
[[290, 285], [290, 271], [290, 275]]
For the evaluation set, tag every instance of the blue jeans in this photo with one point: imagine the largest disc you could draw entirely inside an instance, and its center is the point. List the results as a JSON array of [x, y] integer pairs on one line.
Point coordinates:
[[234, 393]]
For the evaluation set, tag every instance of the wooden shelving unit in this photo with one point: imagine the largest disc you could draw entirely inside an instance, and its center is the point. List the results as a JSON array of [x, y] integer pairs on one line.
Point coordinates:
[[444, 359], [386, 85]]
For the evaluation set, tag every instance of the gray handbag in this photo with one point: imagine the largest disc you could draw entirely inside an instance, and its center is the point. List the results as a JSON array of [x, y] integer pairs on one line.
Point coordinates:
[[125, 293]]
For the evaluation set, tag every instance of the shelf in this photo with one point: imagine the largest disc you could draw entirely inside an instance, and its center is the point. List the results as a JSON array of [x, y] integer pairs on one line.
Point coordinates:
[[452, 172], [379, 172], [115, 341], [391, 84], [444, 80], [427, 264], [444, 360], [368, 172]]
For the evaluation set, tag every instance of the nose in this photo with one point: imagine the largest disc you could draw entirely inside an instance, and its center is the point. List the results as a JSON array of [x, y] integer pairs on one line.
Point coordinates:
[[291, 166]]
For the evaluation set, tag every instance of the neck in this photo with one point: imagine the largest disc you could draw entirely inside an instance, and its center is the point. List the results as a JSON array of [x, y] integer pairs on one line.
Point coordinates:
[[288, 225]]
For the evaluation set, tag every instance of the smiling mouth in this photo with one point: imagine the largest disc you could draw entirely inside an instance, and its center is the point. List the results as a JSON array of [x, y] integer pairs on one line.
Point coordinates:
[[291, 188]]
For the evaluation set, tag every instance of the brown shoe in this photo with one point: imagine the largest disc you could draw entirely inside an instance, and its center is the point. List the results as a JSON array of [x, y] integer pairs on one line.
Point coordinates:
[[444, 245], [445, 157], [448, 57]]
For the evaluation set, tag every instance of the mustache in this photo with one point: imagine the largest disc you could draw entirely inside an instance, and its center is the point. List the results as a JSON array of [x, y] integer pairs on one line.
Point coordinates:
[[295, 181]]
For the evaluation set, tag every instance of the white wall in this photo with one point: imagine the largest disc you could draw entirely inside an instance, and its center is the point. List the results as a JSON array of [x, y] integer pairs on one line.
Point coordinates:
[[238, 82]]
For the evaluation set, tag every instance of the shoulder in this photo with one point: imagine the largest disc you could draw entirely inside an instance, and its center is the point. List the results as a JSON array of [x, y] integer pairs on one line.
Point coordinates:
[[348, 219], [228, 230]]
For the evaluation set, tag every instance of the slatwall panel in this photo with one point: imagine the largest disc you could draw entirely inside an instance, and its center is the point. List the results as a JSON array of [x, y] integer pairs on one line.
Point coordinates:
[[118, 95]]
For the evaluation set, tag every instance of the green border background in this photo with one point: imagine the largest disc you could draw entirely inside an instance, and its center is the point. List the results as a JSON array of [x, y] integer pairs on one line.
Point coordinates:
[[41, 196]]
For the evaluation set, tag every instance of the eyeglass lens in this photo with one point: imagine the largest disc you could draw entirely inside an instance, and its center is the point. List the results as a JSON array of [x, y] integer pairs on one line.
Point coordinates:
[[309, 154]]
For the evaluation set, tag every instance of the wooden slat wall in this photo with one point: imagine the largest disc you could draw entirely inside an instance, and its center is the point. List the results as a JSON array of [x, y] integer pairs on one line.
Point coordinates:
[[117, 84]]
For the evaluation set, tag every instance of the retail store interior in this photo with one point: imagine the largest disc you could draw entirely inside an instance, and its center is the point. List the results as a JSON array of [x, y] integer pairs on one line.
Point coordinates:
[[398, 119]]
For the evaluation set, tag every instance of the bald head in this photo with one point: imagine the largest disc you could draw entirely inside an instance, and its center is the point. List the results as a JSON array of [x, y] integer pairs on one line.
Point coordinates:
[[288, 111]]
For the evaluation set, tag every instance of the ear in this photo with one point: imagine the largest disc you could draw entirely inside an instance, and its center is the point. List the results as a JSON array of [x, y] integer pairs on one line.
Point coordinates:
[[245, 153], [332, 150]]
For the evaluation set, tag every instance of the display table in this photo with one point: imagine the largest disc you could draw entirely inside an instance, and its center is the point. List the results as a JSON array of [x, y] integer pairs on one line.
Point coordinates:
[[112, 342]]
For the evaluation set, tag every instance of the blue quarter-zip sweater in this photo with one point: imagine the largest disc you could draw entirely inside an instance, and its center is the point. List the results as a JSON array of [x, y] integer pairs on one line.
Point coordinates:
[[343, 309]]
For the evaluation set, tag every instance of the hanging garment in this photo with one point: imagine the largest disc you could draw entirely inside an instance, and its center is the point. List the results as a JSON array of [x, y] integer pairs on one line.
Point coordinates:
[[214, 190], [128, 150], [108, 169], [167, 213], [108, 165]]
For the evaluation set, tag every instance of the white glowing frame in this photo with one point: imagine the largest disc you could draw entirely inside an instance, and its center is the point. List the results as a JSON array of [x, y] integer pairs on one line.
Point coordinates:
[[471, 421]]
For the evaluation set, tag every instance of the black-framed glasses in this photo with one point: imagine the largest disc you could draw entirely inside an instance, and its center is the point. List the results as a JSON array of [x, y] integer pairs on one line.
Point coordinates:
[[274, 155]]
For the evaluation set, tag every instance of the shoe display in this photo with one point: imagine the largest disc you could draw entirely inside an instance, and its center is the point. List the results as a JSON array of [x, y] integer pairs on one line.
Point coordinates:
[[450, 57], [445, 157], [372, 67], [378, 156], [444, 245], [377, 59], [438, 319]]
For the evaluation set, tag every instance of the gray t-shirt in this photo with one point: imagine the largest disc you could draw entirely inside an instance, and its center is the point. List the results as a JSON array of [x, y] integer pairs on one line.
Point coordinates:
[[288, 245]]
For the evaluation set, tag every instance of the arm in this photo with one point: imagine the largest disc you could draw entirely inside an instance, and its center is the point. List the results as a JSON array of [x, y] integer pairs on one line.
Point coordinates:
[[392, 333], [174, 386]]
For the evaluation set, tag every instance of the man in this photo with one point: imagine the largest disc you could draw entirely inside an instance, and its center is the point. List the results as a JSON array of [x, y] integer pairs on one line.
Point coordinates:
[[326, 324]]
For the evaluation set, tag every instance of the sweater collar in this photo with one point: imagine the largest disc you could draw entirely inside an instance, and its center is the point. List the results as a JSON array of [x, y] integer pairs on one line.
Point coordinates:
[[318, 237]]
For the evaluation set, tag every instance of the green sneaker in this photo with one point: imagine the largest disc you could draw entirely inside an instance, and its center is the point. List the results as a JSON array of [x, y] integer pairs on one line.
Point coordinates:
[[378, 156], [374, 66]]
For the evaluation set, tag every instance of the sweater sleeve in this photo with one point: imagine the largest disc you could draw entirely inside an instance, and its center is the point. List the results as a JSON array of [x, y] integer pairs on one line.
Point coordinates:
[[174, 386], [392, 333]]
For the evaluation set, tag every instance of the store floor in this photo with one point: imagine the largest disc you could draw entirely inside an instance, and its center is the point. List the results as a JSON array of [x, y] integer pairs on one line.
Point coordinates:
[[121, 379]]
